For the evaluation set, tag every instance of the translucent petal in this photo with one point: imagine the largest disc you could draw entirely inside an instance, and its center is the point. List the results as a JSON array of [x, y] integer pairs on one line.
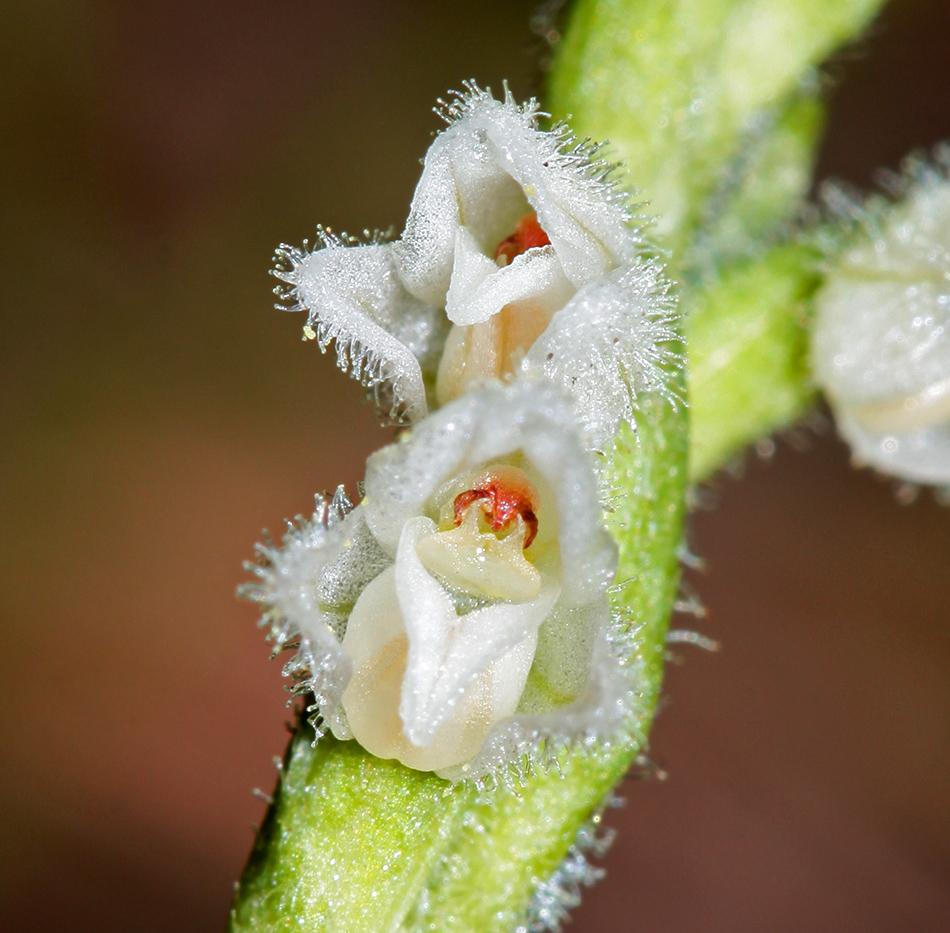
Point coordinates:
[[300, 600]]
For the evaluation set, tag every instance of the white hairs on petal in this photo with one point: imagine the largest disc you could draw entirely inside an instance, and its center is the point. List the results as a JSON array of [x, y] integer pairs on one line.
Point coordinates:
[[384, 336], [305, 588], [490, 165], [612, 341]]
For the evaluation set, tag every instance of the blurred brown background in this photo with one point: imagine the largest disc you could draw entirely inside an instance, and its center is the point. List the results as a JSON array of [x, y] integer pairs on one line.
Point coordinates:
[[156, 413]]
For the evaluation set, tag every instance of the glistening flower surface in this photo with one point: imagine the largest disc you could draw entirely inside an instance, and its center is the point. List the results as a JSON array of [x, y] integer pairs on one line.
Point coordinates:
[[458, 619], [514, 234], [881, 340]]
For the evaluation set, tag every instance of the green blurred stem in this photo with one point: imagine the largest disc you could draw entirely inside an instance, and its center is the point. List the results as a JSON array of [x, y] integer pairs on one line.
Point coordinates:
[[677, 86], [748, 353], [355, 844], [711, 105]]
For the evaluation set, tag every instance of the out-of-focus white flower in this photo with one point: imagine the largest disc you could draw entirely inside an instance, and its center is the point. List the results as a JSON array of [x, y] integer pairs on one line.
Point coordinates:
[[881, 339], [512, 230], [458, 618]]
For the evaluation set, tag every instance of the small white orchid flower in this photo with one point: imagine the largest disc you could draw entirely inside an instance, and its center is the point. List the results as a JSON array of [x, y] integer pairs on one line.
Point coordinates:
[[507, 223], [460, 613], [881, 340], [510, 226]]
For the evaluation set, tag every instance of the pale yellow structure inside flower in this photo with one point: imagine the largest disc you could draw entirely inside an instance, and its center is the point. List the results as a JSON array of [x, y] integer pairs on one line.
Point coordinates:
[[925, 409], [478, 561], [488, 350]]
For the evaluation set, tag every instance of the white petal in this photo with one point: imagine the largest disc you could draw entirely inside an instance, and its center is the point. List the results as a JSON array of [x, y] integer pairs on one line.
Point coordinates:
[[462, 184], [377, 644], [921, 456], [613, 340], [444, 732], [447, 651], [600, 712], [484, 171], [384, 336], [483, 426], [875, 339], [470, 268], [534, 278]]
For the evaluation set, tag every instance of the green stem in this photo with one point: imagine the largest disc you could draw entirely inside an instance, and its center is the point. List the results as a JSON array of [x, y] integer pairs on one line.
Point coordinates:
[[677, 86], [347, 843], [748, 353]]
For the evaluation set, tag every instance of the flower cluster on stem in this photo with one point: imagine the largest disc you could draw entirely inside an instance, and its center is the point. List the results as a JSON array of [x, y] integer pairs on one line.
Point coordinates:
[[457, 619]]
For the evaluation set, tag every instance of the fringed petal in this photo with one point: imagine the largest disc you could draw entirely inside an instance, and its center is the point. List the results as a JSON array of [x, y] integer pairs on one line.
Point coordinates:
[[491, 165], [383, 336], [612, 341], [306, 588]]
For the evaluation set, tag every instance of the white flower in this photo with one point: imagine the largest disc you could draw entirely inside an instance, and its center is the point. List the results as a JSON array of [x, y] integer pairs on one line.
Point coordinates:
[[459, 618], [512, 230], [881, 340]]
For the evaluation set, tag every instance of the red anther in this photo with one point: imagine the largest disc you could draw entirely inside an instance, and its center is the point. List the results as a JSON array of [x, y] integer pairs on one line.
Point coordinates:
[[501, 505], [527, 235], [463, 500]]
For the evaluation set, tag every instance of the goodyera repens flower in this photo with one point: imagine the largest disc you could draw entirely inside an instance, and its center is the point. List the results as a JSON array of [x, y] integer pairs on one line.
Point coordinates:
[[458, 618], [518, 254], [881, 339]]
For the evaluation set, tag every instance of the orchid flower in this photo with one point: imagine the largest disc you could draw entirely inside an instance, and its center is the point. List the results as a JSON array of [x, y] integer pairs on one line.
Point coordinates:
[[514, 234], [458, 618], [881, 340]]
